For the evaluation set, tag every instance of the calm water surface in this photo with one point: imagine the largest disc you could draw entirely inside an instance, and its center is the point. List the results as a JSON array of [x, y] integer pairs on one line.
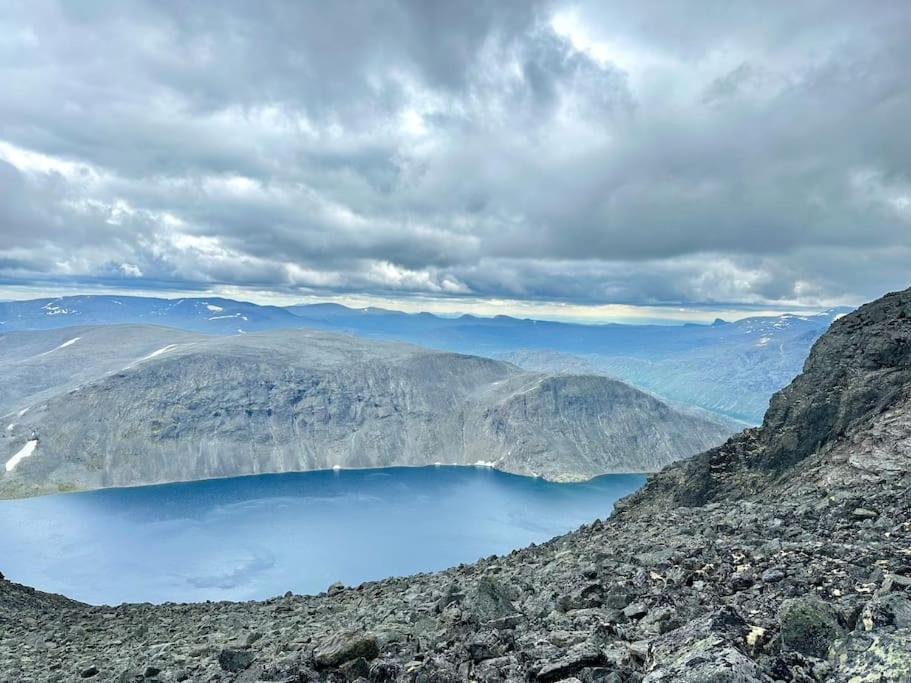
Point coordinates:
[[255, 537]]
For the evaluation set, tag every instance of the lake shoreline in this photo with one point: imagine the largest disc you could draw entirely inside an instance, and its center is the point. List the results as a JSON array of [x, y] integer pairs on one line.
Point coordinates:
[[568, 479]]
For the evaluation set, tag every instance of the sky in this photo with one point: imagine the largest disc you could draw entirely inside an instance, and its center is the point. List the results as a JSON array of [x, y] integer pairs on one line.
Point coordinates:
[[585, 159]]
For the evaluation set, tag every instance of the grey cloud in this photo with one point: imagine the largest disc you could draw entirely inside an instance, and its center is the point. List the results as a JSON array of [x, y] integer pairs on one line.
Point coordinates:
[[690, 152]]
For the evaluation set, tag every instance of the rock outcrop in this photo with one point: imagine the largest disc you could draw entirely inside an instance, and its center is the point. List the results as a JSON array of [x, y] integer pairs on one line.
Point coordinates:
[[784, 555]]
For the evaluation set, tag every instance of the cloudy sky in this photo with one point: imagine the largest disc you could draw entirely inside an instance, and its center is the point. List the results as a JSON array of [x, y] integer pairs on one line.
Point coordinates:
[[520, 155]]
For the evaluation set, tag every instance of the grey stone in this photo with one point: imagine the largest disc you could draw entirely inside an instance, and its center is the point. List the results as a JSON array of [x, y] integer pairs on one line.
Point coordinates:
[[772, 575], [892, 609], [896, 582], [808, 626], [635, 610], [577, 658], [234, 659], [707, 665], [343, 647], [490, 599]]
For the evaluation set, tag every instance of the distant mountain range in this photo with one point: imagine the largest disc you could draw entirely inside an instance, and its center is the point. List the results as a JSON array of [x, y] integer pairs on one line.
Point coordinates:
[[95, 406], [211, 315], [730, 369]]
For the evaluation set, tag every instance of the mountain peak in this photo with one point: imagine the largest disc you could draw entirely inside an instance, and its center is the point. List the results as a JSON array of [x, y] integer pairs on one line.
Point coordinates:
[[859, 368]]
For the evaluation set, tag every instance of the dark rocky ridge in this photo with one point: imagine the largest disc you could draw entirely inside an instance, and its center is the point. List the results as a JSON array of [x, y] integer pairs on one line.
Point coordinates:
[[851, 402], [784, 555]]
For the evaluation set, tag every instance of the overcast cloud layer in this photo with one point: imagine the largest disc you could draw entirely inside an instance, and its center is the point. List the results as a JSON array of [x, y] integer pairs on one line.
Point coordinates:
[[623, 152]]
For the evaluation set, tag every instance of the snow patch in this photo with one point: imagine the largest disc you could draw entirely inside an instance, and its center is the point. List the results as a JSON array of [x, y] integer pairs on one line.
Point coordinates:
[[23, 453], [214, 309], [22, 412], [763, 341], [485, 463], [154, 354], [164, 349], [10, 426], [54, 309], [223, 317], [336, 467], [62, 346]]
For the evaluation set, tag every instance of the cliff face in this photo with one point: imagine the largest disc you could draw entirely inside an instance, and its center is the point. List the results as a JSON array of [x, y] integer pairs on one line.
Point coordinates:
[[856, 372], [843, 418], [781, 556], [200, 407]]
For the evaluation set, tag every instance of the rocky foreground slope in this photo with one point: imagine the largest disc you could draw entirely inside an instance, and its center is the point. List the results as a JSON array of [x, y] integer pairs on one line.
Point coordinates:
[[784, 555], [125, 405]]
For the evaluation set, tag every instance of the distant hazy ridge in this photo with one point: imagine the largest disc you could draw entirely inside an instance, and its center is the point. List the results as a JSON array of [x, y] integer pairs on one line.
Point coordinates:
[[730, 369]]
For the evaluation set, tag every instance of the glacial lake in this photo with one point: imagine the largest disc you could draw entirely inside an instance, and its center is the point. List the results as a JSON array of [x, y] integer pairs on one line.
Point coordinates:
[[256, 537]]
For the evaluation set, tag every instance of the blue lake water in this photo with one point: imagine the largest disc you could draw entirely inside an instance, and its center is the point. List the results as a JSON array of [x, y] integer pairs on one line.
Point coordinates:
[[256, 537]]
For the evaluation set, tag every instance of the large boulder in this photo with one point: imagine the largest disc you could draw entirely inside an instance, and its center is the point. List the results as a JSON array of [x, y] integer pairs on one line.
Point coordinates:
[[235, 659], [707, 662], [490, 599], [808, 626], [572, 662], [345, 647]]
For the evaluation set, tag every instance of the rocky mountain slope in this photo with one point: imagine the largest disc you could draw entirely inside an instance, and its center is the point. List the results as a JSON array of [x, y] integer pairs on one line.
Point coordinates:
[[36, 366], [199, 406], [784, 555], [846, 418]]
